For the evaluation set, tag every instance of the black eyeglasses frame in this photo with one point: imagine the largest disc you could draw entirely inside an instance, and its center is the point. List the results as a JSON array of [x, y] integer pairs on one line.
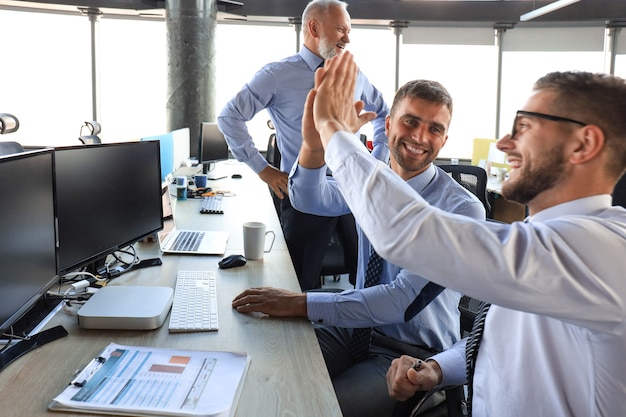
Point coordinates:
[[543, 116]]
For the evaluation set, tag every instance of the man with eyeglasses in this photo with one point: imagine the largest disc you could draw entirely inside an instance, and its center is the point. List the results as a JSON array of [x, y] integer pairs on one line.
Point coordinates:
[[554, 337]]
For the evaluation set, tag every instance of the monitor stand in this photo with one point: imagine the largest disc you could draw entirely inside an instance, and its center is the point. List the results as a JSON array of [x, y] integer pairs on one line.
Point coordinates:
[[30, 322], [34, 341], [37, 316]]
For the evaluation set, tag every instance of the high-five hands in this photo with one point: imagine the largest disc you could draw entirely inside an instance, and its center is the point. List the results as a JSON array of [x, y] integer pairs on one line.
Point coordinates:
[[331, 102], [407, 375]]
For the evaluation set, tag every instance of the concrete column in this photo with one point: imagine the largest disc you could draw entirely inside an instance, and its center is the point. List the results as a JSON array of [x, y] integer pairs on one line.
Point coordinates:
[[191, 26]]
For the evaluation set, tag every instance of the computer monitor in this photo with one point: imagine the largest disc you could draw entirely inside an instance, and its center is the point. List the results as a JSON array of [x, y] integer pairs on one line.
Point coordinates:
[[174, 150], [108, 197], [27, 249], [213, 146]]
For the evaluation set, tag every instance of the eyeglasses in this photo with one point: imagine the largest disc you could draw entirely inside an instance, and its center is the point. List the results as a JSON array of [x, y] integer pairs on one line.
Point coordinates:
[[542, 116]]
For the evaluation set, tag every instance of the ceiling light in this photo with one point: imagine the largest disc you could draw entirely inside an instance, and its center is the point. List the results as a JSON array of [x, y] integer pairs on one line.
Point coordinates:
[[546, 9]]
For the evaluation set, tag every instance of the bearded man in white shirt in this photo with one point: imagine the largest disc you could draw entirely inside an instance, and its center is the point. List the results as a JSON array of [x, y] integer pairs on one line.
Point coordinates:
[[555, 335]]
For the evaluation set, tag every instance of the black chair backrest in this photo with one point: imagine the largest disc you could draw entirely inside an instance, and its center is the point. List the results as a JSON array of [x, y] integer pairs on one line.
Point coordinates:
[[471, 177], [619, 192], [272, 154], [7, 148]]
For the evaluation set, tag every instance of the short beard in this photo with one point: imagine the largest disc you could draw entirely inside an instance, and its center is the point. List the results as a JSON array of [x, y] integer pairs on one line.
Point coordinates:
[[327, 49], [406, 163], [541, 176]]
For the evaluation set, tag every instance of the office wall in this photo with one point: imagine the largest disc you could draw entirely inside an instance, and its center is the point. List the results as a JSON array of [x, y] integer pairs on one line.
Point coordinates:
[[46, 75]]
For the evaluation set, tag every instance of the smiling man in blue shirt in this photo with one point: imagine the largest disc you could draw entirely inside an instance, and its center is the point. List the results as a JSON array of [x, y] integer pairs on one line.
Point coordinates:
[[417, 129], [281, 88]]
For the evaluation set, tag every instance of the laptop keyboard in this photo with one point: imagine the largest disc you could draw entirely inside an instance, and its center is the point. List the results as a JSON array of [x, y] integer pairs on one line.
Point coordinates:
[[187, 241], [194, 308], [211, 205]]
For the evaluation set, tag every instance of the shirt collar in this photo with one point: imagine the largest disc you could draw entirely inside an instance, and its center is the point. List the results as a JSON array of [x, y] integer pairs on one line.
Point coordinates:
[[312, 60], [581, 206], [420, 181]]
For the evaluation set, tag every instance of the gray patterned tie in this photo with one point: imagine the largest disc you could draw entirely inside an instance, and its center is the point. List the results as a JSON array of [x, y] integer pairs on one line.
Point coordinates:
[[360, 343], [471, 351]]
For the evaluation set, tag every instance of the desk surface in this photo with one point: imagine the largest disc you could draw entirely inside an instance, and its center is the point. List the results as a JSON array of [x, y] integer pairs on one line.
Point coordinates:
[[287, 374]]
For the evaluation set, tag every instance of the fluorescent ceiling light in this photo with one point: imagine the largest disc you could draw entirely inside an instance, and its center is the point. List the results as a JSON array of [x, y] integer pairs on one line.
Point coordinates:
[[546, 9]]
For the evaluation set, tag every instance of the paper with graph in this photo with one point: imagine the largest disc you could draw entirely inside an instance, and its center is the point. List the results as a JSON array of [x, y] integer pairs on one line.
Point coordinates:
[[131, 380]]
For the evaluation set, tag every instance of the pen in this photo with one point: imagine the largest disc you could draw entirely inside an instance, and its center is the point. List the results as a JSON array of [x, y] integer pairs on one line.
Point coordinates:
[[416, 365]]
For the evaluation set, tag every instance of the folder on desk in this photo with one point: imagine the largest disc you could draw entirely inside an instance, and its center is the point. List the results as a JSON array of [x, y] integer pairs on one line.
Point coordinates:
[[194, 242]]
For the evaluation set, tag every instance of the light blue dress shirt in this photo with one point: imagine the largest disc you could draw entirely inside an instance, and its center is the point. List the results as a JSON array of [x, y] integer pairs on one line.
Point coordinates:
[[281, 88], [555, 335], [437, 325]]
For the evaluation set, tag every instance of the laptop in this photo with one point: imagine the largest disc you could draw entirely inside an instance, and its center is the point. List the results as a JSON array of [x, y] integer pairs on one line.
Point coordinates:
[[194, 242]]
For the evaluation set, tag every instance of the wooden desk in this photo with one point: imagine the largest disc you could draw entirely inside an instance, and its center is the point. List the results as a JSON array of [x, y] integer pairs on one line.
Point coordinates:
[[287, 375]]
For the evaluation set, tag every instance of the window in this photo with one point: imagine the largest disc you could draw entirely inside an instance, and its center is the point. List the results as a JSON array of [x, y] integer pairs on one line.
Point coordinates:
[[242, 51], [46, 83], [533, 52], [464, 61]]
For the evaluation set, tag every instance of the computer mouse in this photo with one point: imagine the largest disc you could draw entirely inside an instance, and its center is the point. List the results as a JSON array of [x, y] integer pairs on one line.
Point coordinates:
[[236, 176], [232, 261]]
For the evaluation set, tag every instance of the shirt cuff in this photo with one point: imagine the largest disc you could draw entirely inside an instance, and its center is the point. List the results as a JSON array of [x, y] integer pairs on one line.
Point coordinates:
[[452, 364], [340, 147], [319, 306], [308, 177]]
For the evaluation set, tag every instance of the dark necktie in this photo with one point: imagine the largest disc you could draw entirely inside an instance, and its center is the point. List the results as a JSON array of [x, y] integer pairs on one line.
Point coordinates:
[[471, 351], [360, 343]]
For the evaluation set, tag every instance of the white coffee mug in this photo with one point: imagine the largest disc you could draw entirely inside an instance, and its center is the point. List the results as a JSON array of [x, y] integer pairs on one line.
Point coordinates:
[[254, 236]]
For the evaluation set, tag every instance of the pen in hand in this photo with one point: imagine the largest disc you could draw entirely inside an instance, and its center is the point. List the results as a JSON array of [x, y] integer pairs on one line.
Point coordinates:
[[417, 365]]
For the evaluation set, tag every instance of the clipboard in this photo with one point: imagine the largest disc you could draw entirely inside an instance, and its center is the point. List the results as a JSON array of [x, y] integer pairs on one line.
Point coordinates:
[[145, 381]]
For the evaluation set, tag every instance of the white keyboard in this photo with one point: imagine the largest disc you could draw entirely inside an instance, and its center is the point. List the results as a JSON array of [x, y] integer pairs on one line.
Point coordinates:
[[195, 302], [211, 205]]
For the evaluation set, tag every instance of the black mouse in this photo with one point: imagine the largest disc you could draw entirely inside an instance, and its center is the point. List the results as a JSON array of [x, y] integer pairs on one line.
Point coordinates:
[[232, 261], [236, 176]]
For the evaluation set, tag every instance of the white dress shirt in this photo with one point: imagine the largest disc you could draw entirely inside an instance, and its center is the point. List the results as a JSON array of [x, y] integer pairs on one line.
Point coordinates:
[[555, 338]]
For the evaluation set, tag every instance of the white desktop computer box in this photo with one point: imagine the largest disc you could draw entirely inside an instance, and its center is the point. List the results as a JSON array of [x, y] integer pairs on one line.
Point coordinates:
[[126, 308]]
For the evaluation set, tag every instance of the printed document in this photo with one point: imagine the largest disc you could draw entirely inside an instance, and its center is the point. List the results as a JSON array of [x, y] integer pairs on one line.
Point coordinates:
[[153, 381]]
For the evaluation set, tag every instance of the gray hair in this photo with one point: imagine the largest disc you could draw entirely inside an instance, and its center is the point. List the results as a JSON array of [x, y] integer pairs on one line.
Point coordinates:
[[318, 9]]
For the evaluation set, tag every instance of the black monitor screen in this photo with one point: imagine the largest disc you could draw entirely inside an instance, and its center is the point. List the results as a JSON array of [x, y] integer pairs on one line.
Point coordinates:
[[27, 248], [108, 197], [213, 146]]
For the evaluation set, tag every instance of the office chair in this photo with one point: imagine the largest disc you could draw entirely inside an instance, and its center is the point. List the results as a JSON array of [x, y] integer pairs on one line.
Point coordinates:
[[341, 256], [7, 148], [92, 138], [8, 123], [474, 179], [272, 156], [619, 192]]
